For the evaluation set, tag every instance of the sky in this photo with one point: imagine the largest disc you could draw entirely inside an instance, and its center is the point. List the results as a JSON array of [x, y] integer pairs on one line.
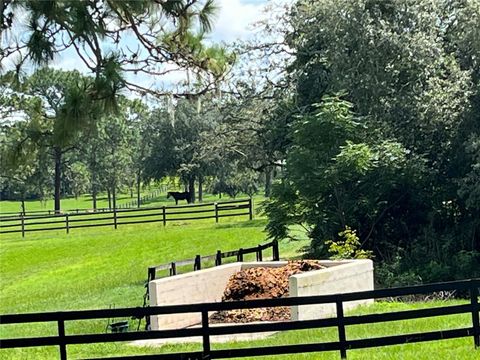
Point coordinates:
[[234, 22], [235, 19]]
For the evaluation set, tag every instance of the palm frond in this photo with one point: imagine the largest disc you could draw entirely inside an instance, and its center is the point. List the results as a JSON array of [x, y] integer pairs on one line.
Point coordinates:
[[207, 15]]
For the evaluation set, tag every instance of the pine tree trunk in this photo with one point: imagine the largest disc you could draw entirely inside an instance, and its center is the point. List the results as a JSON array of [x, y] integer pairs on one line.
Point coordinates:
[[191, 189], [94, 197], [268, 181], [93, 171], [109, 199], [58, 178], [94, 190], [138, 189], [200, 188], [114, 196], [23, 204]]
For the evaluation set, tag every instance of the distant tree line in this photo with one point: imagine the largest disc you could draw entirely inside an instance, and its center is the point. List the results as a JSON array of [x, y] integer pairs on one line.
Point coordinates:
[[46, 155]]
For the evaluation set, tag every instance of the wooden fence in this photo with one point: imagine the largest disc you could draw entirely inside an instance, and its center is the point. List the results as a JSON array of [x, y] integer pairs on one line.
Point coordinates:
[[130, 204], [117, 217], [196, 262], [205, 331]]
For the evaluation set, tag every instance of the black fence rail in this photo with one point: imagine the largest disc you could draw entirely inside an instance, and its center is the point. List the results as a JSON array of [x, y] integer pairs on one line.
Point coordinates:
[[17, 214], [198, 260], [117, 217], [341, 322], [127, 205]]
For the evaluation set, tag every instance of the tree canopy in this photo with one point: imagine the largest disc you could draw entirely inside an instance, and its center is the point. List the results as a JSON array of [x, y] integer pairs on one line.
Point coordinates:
[[359, 118], [392, 163], [116, 40]]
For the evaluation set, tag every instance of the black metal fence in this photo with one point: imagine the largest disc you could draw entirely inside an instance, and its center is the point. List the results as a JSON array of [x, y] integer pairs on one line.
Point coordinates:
[[117, 217], [341, 321]]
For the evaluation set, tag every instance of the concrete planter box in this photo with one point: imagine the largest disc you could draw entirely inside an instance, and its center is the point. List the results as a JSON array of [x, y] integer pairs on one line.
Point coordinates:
[[343, 276], [208, 286]]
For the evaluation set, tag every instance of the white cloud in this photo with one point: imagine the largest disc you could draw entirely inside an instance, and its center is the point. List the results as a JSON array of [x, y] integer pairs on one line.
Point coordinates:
[[235, 19], [69, 60]]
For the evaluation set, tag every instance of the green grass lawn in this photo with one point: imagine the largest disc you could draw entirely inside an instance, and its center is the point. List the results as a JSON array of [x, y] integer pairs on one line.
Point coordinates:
[[85, 201], [148, 214], [71, 203], [100, 268]]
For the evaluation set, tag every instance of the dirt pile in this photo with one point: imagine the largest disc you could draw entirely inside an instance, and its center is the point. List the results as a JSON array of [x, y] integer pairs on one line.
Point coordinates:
[[261, 283]]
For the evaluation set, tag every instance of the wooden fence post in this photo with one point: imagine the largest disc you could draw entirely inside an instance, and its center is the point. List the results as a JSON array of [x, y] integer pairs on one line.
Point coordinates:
[[218, 258], [205, 335], [61, 335], [164, 217], [216, 212], [275, 252], [198, 263], [475, 318], [240, 254], [259, 253], [22, 218], [173, 269], [250, 209], [341, 329], [151, 273], [67, 226]]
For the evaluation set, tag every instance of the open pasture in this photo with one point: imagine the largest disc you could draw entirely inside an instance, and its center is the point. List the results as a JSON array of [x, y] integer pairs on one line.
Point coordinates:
[[151, 197]]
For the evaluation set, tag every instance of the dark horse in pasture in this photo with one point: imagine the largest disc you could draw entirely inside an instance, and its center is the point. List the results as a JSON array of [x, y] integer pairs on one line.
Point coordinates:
[[179, 196]]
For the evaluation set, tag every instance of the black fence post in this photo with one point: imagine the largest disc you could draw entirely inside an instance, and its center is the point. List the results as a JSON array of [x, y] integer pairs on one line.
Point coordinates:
[[218, 258], [259, 253], [22, 218], [216, 212], [250, 209], [240, 254], [67, 226], [475, 317], [173, 269], [205, 335], [61, 335], [197, 265], [164, 216], [275, 252], [151, 273], [341, 329]]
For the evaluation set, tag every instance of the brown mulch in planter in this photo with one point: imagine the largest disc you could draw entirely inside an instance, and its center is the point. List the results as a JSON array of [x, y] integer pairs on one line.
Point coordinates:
[[261, 283]]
